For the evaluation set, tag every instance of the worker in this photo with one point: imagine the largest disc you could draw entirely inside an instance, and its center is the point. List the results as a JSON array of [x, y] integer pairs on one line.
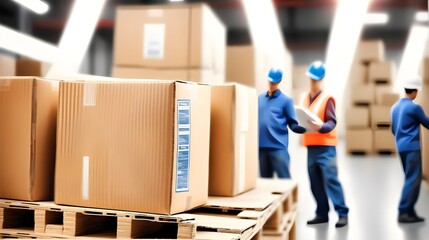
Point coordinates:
[[406, 119], [321, 150], [276, 112]]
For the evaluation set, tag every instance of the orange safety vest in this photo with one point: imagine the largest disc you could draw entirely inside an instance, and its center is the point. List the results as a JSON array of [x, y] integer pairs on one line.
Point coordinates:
[[318, 107]]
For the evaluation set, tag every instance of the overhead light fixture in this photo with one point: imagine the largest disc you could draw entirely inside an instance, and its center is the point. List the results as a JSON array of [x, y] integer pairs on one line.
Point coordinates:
[[76, 36], [25, 45], [376, 18], [413, 54], [37, 6], [421, 16], [176, 0]]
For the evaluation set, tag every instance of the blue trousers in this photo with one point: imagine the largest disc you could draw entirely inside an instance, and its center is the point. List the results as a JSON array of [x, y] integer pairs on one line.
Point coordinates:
[[412, 165], [274, 160], [323, 173]]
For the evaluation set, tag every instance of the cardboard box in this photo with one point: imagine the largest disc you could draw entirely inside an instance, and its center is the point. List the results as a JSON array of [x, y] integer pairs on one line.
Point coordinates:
[[425, 152], [381, 89], [357, 117], [169, 36], [384, 141], [7, 65], [133, 145], [245, 65], [30, 67], [233, 140], [381, 72], [388, 99], [380, 117], [425, 66], [358, 74], [28, 109], [370, 51], [362, 94], [194, 75], [359, 140]]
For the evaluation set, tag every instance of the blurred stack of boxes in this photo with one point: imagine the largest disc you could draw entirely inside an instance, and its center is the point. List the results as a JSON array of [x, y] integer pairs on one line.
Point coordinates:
[[11, 66], [371, 94], [181, 42], [423, 100]]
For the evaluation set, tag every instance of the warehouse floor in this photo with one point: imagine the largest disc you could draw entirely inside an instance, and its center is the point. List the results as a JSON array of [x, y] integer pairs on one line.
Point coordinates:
[[372, 186]]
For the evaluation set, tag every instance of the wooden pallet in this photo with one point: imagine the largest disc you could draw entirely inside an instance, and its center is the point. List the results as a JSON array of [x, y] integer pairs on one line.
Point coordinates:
[[47, 219]]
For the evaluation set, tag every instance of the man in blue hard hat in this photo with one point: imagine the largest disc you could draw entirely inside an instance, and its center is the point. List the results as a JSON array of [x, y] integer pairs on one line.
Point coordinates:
[[321, 150], [406, 119], [276, 113]]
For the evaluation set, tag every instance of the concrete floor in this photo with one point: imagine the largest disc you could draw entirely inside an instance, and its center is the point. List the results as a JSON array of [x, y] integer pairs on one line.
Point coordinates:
[[372, 187]]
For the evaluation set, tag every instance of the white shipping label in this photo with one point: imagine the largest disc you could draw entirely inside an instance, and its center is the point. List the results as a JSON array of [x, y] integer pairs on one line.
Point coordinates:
[[85, 177], [243, 108], [153, 41], [183, 145], [242, 164], [89, 94]]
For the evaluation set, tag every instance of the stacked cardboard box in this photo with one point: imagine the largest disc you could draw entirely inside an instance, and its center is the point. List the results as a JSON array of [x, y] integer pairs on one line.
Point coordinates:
[[371, 97], [28, 109], [7, 65], [181, 41], [30, 67], [423, 100], [233, 140]]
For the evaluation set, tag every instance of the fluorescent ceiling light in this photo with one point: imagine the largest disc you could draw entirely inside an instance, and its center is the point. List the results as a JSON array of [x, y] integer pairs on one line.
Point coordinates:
[[37, 6], [376, 18], [76, 36], [421, 16], [25, 45], [176, 0], [413, 54]]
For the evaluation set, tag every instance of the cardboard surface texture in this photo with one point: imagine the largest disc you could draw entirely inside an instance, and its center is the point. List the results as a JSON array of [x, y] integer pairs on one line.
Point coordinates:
[[233, 140], [30, 67], [7, 65], [244, 65], [194, 75], [133, 145], [28, 109], [382, 72], [359, 140], [371, 51], [362, 94], [358, 74], [423, 100], [169, 36], [380, 117], [388, 99], [357, 117], [384, 141], [381, 89], [425, 69]]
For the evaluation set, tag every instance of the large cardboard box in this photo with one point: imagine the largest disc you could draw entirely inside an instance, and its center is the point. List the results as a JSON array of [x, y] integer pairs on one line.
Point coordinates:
[[28, 109], [7, 65], [137, 145], [233, 140], [169, 36], [359, 140], [381, 72], [30, 67], [389, 99], [380, 90], [380, 117], [362, 94], [357, 117], [245, 65], [358, 74], [384, 141], [370, 51], [194, 75]]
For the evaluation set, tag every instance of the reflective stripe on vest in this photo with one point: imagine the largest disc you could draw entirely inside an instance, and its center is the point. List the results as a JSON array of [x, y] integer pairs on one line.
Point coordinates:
[[318, 107]]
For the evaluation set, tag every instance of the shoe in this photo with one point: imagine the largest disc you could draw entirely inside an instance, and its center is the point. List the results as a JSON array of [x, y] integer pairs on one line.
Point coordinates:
[[409, 218], [317, 220], [342, 221]]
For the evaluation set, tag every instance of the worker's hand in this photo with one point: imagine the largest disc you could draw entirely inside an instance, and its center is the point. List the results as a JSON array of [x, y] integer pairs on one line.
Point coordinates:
[[315, 125]]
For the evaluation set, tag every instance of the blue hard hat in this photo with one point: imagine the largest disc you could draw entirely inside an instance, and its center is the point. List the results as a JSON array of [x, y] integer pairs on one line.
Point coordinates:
[[275, 75], [316, 71]]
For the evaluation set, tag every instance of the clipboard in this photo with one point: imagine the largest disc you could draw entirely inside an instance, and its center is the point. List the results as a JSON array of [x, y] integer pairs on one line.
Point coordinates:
[[305, 116]]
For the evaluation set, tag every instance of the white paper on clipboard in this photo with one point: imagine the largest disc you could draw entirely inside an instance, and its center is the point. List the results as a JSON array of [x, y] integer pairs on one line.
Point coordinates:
[[305, 116]]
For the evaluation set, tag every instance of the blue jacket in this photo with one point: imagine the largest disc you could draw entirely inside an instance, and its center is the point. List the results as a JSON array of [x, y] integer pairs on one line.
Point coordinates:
[[406, 119], [276, 112]]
